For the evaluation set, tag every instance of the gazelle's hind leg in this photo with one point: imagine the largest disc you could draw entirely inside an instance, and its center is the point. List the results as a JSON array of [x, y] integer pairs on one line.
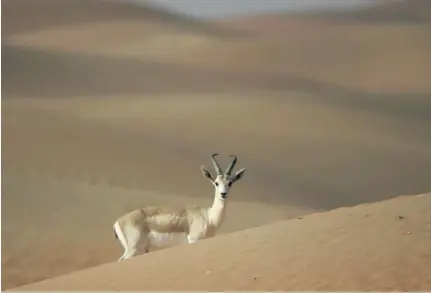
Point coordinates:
[[121, 237], [131, 238]]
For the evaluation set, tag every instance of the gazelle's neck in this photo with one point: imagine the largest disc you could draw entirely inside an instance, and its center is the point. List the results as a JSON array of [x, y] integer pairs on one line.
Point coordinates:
[[217, 211]]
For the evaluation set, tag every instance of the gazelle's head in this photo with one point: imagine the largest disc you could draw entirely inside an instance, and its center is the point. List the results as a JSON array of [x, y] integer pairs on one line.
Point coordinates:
[[223, 181]]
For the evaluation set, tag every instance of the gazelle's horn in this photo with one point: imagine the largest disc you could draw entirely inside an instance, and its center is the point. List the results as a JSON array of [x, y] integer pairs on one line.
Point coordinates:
[[216, 165], [231, 166]]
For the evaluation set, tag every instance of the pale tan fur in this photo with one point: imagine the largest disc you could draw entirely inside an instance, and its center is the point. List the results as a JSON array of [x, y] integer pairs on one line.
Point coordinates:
[[164, 219], [142, 227]]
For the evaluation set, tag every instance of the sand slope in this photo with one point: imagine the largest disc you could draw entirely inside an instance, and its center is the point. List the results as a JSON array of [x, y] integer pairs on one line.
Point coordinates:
[[381, 246]]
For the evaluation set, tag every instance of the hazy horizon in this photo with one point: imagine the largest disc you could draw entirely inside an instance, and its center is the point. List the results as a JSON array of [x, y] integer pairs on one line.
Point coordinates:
[[221, 8]]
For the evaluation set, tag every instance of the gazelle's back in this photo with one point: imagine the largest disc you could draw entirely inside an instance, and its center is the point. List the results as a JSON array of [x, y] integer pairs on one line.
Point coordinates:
[[163, 219]]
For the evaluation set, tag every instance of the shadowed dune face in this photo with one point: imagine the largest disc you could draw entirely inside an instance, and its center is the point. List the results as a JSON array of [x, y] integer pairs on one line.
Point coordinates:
[[115, 108]]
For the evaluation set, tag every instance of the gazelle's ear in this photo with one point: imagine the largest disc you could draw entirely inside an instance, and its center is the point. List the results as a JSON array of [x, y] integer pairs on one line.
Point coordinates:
[[239, 174], [206, 173]]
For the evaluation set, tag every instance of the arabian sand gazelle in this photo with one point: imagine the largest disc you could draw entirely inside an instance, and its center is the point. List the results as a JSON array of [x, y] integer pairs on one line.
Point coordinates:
[[165, 226]]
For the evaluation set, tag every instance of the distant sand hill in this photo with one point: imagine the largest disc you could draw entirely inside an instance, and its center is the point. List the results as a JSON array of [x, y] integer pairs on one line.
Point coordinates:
[[385, 11], [108, 107], [22, 16]]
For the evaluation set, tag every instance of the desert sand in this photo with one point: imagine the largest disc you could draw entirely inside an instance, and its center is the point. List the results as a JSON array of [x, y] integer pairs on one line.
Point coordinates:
[[380, 247], [110, 107]]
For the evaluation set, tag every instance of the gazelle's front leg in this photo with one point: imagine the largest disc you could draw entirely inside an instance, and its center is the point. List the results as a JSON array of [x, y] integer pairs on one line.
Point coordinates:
[[192, 239], [196, 233], [135, 240]]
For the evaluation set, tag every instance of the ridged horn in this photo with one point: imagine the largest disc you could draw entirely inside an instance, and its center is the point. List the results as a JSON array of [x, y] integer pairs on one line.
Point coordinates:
[[216, 165], [231, 166]]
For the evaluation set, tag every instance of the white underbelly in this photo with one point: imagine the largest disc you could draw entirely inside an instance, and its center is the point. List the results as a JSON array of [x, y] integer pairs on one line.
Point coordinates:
[[167, 239]]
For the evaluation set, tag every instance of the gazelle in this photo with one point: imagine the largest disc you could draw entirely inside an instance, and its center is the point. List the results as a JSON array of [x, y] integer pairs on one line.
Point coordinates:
[[166, 226]]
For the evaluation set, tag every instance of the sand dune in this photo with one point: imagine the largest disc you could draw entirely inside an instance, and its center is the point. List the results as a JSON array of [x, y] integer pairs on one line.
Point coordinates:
[[382, 47], [294, 53], [21, 16], [380, 247], [375, 58], [108, 107], [397, 11], [368, 155], [105, 28]]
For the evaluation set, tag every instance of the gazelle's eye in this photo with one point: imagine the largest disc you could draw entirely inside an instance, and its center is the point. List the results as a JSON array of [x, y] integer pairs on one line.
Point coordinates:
[[216, 184], [229, 184]]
